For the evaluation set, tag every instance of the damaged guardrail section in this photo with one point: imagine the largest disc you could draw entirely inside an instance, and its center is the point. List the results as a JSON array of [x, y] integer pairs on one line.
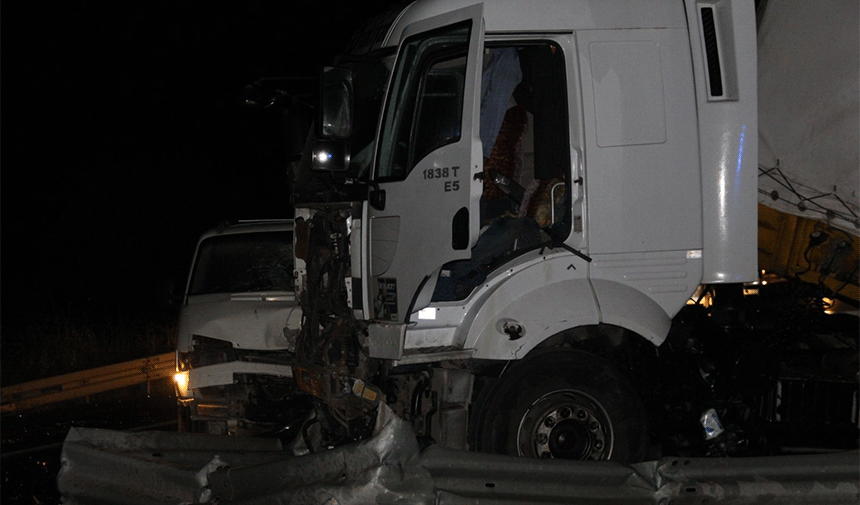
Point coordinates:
[[102, 466], [86, 382]]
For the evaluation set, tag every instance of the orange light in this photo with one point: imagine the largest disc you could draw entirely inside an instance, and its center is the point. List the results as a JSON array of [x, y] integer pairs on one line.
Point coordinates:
[[181, 381]]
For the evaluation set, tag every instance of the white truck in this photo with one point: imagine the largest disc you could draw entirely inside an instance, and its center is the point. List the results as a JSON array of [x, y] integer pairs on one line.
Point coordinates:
[[543, 187], [525, 228]]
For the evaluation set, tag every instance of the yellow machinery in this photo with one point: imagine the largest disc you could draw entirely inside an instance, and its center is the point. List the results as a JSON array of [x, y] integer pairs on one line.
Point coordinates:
[[813, 251]]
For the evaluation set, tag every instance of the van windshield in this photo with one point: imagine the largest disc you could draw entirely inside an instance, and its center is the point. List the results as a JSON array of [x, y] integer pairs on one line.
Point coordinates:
[[242, 263]]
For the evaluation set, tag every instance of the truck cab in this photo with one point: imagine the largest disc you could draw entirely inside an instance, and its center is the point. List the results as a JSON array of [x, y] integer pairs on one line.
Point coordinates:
[[493, 189]]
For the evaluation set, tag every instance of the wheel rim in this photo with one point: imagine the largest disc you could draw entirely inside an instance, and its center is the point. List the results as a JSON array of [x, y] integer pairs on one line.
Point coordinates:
[[565, 424]]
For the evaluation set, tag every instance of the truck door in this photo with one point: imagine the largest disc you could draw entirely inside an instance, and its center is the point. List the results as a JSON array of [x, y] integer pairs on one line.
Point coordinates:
[[423, 208]]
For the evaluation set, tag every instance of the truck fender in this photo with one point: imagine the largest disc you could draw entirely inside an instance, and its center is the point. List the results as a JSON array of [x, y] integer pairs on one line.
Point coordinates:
[[528, 306], [629, 308], [524, 309]]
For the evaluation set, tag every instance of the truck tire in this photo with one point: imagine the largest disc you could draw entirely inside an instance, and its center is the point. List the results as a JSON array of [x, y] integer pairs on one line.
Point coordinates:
[[563, 404]]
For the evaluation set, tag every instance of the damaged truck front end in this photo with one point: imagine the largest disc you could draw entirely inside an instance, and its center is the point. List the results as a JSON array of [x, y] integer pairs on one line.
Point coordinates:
[[348, 227], [331, 362]]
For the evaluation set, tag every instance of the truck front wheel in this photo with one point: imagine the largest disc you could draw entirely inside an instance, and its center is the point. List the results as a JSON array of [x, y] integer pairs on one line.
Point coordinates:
[[566, 405]]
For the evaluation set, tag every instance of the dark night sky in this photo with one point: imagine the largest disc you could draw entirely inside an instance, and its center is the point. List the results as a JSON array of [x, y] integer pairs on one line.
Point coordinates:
[[123, 138]]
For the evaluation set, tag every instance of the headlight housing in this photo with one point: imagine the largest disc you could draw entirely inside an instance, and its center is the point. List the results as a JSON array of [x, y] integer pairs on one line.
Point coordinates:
[[180, 380]]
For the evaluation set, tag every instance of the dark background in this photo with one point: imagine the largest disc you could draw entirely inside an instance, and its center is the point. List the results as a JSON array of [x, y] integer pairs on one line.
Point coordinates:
[[124, 138]]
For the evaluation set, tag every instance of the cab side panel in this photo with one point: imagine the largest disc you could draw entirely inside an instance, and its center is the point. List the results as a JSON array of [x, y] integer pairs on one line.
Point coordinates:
[[642, 161]]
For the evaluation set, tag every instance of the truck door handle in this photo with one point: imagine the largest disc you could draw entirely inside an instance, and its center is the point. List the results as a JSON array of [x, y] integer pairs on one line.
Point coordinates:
[[376, 197], [460, 230]]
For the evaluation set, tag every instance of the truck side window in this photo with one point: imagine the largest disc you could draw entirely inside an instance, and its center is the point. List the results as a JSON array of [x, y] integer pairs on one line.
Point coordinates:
[[440, 108], [424, 111], [524, 132], [525, 138]]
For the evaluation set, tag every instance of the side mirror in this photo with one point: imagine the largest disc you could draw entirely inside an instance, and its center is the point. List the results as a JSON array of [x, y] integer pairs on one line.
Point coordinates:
[[336, 103], [330, 155]]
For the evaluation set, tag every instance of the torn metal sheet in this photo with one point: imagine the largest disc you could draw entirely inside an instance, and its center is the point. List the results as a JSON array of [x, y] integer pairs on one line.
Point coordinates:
[[101, 466], [105, 466], [383, 469]]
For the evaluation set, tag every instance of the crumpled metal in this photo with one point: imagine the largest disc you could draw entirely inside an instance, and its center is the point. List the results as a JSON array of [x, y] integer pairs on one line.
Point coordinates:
[[103, 466]]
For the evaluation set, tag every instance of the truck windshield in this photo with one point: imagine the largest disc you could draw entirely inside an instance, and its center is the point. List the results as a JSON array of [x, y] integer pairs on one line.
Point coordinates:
[[241, 263], [369, 81]]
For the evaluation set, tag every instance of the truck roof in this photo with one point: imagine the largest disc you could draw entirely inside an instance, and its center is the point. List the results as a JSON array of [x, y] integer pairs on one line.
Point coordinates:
[[249, 226], [516, 16], [553, 15]]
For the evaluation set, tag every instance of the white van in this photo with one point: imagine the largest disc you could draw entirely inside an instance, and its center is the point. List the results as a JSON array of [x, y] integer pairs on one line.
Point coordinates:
[[237, 329]]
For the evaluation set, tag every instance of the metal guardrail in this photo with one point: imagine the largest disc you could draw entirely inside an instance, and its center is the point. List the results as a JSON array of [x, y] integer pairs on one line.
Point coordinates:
[[104, 466], [87, 382]]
